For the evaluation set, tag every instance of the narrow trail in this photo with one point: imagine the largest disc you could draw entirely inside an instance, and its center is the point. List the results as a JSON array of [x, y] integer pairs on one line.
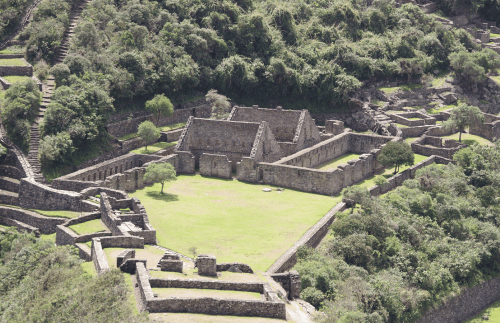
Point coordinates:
[[48, 91], [24, 22]]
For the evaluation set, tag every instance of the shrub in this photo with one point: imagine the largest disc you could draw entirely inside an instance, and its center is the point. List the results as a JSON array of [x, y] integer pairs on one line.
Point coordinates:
[[61, 73], [55, 149], [313, 296], [148, 132]]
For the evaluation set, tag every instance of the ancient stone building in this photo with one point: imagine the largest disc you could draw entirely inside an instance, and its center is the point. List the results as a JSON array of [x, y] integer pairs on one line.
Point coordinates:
[[293, 129], [217, 145]]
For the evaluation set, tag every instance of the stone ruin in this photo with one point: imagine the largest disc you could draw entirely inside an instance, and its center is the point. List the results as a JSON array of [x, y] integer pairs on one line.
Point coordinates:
[[170, 262]]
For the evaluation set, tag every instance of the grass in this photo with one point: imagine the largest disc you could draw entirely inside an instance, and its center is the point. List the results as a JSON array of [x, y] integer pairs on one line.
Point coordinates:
[[401, 125], [378, 102], [191, 273], [49, 237], [496, 79], [164, 128], [203, 318], [484, 102], [494, 35], [130, 295], [193, 292], [470, 139], [406, 87], [438, 110], [411, 139], [152, 255], [88, 227], [89, 268], [154, 147], [440, 79], [232, 220], [12, 62], [16, 78], [4, 227], [493, 312], [389, 172], [414, 118], [56, 214], [13, 50], [334, 163]]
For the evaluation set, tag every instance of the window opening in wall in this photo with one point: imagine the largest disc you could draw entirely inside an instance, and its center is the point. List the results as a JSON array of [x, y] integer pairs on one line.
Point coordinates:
[[105, 174], [121, 168], [116, 169], [100, 175], [95, 176], [243, 144], [88, 178]]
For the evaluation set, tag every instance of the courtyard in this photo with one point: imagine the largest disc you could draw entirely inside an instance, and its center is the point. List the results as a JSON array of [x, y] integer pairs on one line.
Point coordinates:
[[232, 220]]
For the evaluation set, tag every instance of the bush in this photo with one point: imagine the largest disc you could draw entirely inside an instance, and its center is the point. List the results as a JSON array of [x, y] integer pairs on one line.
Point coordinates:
[[55, 149], [312, 296], [42, 70], [148, 132], [61, 73]]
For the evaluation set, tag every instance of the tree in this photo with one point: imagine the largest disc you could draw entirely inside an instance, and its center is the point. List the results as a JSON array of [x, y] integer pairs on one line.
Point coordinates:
[[353, 195], [56, 149], [61, 73], [160, 173], [148, 132], [462, 117], [220, 104], [160, 105], [396, 154]]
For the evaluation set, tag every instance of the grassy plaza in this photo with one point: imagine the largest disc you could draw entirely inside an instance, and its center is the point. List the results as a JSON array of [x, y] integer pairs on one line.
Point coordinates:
[[232, 220]]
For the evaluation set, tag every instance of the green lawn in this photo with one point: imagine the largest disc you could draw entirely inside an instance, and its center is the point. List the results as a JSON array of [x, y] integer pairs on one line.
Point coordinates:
[[12, 62], [151, 254], [49, 237], [389, 172], [411, 139], [57, 214], [440, 79], [154, 147], [4, 227], [470, 139], [16, 78], [332, 164], [88, 227], [164, 128], [493, 312], [232, 220], [401, 125], [494, 35], [406, 87], [13, 50], [414, 118], [437, 110], [89, 268], [195, 293]]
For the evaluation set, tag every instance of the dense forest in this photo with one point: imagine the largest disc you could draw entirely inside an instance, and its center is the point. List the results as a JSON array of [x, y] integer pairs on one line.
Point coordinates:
[[397, 256], [40, 282]]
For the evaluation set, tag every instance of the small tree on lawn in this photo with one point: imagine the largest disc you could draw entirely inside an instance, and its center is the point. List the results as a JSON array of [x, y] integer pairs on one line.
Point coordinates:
[[160, 105], [462, 117], [396, 154], [148, 132], [160, 173], [353, 195], [220, 104]]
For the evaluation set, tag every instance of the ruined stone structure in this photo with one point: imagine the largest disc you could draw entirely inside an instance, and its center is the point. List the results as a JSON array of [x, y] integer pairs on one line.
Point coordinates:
[[428, 146], [234, 140], [293, 130], [170, 262]]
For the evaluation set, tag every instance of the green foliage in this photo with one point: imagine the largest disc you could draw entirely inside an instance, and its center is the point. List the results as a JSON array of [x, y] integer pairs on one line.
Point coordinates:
[[160, 173], [19, 109], [380, 180], [40, 282], [56, 149], [281, 53], [472, 67], [42, 70], [355, 195], [61, 73], [160, 105], [396, 154], [148, 132], [11, 13], [462, 117], [401, 255], [220, 104]]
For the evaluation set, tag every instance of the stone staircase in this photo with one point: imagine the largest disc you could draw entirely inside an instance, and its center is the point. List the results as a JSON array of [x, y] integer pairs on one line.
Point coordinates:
[[48, 91], [68, 34]]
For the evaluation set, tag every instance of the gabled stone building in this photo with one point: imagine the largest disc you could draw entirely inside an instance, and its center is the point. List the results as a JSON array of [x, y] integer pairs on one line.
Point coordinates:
[[294, 130], [218, 145]]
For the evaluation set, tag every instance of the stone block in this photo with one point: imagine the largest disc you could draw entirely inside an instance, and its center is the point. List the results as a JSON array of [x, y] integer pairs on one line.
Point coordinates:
[[334, 127], [171, 265], [207, 265]]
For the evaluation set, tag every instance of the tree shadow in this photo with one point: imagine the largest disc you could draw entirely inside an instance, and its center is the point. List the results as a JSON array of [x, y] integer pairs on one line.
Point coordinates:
[[469, 142], [165, 197]]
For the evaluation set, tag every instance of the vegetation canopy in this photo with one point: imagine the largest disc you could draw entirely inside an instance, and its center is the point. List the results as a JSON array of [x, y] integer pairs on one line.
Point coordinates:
[[396, 154], [160, 173]]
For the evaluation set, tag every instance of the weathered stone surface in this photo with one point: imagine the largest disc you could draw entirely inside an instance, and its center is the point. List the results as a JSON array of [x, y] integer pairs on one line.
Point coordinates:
[[207, 265]]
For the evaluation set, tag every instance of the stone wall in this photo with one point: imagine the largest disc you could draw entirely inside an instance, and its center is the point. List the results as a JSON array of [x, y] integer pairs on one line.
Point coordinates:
[[10, 171], [9, 184], [26, 70], [216, 306], [215, 165], [172, 135], [404, 118], [224, 266], [429, 145], [290, 281], [311, 238], [126, 127], [20, 226], [33, 195], [146, 293], [99, 257], [122, 242], [6, 84], [254, 287], [489, 131], [47, 225], [415, 131], [466, 305]]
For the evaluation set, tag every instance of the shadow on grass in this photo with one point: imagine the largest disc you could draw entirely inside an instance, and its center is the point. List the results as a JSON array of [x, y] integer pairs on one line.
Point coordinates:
[[165, 197], [469, 142]]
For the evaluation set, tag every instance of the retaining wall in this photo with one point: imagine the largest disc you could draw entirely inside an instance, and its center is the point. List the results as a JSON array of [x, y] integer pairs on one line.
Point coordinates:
[[26, 70], [47, 225], [254, 287], [429, 146], [403, 118], [466, 305], [126, 127], [99, 257]]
